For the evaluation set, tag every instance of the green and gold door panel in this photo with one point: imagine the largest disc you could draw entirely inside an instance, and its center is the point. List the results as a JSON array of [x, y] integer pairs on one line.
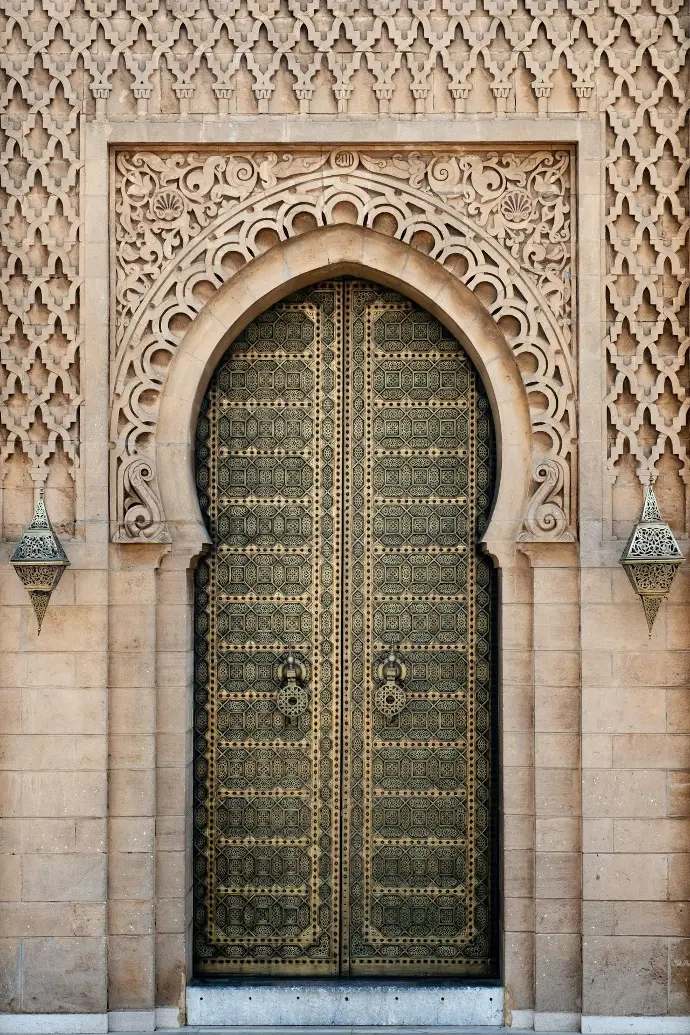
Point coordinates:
[[343, 771], [267, 766], [417, 673]]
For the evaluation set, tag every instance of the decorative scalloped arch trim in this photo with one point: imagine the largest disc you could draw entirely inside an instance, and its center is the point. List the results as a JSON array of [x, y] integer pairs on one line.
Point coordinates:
[[189, 223]]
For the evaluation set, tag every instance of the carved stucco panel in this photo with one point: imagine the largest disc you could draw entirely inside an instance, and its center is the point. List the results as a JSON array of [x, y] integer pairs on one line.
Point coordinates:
[[64, 61], [185, 222]]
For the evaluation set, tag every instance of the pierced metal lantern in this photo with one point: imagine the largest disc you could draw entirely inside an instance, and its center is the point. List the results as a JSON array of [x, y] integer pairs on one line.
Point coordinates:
[[651, 558], [39, 559]]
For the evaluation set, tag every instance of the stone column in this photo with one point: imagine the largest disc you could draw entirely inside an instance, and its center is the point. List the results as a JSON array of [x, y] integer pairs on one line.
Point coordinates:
[[517, 780], [558, 966], [174, 717], [132, 785], [53, 793]]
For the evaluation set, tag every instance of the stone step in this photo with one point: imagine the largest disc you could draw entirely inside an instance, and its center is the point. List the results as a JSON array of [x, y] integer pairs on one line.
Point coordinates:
[[338, 1029]]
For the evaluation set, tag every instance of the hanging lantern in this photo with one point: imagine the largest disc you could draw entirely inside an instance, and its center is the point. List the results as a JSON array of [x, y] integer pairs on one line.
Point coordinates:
[[39, 559], [651, 558]]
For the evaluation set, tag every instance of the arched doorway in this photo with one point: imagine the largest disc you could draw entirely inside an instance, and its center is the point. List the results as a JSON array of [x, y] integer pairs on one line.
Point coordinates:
[[345, 690]]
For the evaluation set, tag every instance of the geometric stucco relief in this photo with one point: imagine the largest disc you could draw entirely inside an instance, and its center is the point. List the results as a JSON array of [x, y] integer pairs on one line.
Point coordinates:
[[39, 300], [187, 221], [623, 62]]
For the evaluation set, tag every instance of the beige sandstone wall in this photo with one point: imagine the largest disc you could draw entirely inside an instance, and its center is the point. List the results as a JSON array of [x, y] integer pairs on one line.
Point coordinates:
[[635, 808], [95, 748], [53, 798]]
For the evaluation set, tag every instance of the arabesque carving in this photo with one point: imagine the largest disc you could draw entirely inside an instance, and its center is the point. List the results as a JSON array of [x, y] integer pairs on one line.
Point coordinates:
[[39, 268], [65, 60], [186, 222]]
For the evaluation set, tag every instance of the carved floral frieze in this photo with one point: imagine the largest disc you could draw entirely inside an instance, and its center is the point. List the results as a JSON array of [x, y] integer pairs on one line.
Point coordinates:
[[185, 222]]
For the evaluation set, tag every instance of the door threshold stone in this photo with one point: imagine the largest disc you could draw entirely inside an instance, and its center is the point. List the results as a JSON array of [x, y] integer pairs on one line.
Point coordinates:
[[340, 1029], [345, 1003]]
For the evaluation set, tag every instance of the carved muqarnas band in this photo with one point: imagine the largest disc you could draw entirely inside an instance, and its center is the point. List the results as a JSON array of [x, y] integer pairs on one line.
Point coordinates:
[[501, 222]]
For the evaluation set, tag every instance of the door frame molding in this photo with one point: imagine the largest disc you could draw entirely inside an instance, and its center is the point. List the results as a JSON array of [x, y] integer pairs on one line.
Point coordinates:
[[150, 651], [296, 263], [537, 583], [190, 244]]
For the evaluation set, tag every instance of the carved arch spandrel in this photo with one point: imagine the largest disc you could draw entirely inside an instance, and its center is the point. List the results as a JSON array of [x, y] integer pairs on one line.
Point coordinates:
[[295, 263], [186, 223]]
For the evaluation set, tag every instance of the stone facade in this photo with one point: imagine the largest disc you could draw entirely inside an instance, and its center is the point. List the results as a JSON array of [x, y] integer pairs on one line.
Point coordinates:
[[171, 169]]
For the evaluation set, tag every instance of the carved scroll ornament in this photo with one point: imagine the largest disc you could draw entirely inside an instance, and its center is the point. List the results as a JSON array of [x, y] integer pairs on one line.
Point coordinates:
[[186, 222]]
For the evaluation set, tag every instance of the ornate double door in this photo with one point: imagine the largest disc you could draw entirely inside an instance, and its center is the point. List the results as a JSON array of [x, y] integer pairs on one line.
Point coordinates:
[[344, 783]]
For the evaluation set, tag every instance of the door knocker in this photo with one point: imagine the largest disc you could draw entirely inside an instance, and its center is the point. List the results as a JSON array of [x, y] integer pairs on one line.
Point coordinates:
[[292, 698], [391, 697]]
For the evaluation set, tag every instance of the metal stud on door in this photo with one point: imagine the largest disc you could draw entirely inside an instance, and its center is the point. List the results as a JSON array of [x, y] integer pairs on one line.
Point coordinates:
[[268, 626], [344, 797], [418, 678]]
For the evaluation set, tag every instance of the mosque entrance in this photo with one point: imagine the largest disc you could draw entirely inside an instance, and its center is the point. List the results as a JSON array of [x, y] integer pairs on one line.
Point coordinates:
[[345, 777]]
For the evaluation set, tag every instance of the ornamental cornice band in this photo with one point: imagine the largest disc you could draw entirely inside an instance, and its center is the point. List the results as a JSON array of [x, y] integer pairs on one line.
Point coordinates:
[[185, 222]]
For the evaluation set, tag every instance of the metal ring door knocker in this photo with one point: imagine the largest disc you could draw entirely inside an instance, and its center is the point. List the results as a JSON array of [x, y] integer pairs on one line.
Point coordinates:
[[391, 696], [292, 697]]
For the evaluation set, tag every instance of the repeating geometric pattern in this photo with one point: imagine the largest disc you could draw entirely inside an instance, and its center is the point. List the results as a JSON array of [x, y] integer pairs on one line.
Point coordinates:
[[500, 221], [266, 817], [418, 753], [65, 60], [40, 105], [414, 875]]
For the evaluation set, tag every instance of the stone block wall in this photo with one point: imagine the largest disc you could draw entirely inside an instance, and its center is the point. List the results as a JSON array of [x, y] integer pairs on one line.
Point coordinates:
[[636, 819], [53, 798]]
